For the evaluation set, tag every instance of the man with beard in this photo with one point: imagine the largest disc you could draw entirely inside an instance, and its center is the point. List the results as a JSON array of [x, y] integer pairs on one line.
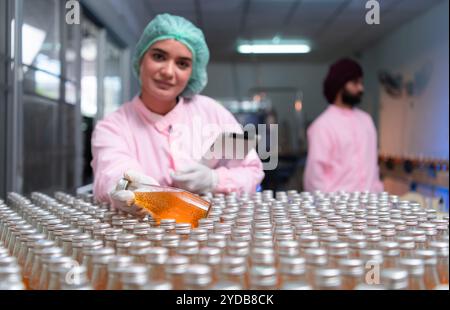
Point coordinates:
[[342, 141]]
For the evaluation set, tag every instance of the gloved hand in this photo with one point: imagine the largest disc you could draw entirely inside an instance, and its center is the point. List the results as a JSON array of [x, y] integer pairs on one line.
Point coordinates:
[[124, 199], [195, 178]]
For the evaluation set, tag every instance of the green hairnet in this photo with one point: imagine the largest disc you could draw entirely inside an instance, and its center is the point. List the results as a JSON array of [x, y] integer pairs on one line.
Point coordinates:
[[166, 26]]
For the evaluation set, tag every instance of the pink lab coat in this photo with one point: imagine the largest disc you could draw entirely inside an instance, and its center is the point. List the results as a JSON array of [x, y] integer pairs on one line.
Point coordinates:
[[135, 138], [342, 152]]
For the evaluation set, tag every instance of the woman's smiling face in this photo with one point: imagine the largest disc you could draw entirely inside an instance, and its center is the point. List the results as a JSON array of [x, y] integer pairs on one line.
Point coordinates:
[[165, 70]]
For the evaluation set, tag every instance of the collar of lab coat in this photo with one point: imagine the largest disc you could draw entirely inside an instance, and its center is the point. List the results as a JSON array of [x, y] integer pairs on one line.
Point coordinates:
[[342, 111], [162, 123]]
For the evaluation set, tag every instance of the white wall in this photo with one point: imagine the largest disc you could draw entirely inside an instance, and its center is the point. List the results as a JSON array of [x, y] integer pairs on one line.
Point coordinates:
[[419, 124]]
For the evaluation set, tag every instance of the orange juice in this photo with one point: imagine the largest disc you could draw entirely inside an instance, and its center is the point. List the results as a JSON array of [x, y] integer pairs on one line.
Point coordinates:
[[171, 203]]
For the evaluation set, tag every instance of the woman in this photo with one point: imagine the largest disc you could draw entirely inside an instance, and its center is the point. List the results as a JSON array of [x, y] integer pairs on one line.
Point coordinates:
[[155, 137]]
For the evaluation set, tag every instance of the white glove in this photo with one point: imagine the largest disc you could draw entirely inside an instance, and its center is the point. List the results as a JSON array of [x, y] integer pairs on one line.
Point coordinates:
[[124, 199], [195, 178]]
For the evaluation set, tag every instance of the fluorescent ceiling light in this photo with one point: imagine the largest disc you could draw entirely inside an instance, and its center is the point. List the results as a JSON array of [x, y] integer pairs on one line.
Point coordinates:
[[273, 48]]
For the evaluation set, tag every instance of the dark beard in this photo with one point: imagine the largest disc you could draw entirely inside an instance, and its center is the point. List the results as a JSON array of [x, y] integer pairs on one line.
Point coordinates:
[[350, 99]]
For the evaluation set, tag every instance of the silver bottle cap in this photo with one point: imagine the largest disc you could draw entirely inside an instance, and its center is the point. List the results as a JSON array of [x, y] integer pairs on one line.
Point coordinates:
[[233, 265], [440, 247], [158, 286], [394, 278], [198, 275], [209, 255], [429, 256], [177, 264], [188, 247], [316, 257], [372, 256], [156, 255], [226, 286], [351, 267], [288, 248], [390, 248], [122, 184], [170, 241], [263, 256], [183, 228], [292, 265], [328, 278], [369, 287], [119, 261], [262, 276], [135, 274], [296, 286], [414, 266]]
